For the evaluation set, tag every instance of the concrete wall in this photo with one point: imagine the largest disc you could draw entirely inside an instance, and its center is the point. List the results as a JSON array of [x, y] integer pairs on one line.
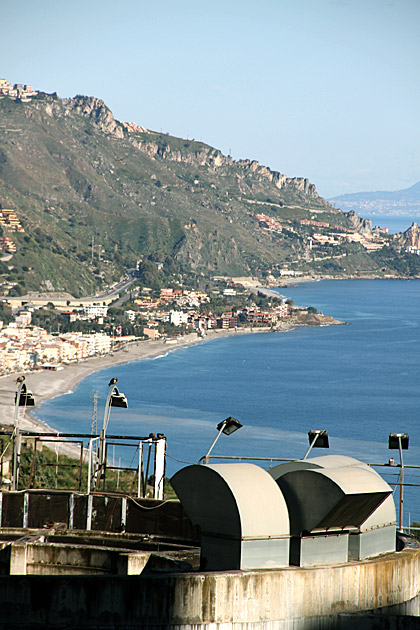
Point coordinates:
[[284, 599]]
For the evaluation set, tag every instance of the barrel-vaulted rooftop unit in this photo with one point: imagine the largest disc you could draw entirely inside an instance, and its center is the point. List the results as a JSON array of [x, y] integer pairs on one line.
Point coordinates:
[[327, 505], [242, 514]]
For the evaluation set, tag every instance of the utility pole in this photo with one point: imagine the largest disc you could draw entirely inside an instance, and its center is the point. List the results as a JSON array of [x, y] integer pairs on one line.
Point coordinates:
[[93, 245]]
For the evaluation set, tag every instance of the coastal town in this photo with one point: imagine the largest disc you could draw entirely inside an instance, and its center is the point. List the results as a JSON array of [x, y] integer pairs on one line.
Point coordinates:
[[174, 312]]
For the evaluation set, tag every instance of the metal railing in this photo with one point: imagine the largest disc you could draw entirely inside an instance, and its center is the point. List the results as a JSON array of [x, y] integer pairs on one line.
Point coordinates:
[[92, 466]]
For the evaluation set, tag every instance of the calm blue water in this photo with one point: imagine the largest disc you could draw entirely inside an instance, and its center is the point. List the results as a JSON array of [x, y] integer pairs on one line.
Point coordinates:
[[395, 223], [359, 381]]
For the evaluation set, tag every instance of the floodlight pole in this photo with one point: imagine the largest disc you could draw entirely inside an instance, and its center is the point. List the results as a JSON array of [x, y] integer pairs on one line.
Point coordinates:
[[312, 444], [102, 434], [401, 483], [205, 459], [17, 440]]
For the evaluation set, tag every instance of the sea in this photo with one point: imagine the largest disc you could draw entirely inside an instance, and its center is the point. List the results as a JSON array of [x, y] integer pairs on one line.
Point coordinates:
[[394, 223], [359, 381]]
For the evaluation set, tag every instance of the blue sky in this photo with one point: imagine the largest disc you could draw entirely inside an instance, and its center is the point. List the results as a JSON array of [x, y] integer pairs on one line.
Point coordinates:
[[324, 89]]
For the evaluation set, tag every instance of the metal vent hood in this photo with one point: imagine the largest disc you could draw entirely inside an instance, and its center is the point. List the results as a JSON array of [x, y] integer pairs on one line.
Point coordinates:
[[242, 514], [322, 499]]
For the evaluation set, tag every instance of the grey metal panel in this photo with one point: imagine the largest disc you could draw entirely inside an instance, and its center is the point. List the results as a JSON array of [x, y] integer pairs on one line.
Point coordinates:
[[372, 543], [309, 551], [264, 554], [220, 554]]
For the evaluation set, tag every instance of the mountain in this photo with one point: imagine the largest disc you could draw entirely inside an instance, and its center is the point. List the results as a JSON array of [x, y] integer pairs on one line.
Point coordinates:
[[405, 201], [90, 196]]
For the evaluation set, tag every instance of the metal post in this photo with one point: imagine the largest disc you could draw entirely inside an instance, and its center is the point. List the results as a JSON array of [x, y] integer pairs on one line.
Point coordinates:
[[401, 483], [205, 459], [71, 511], [140, 470], [102, 438], [89, 466], [17, 440], [89, 512], [25, 510], [123, 513], [311, 446]]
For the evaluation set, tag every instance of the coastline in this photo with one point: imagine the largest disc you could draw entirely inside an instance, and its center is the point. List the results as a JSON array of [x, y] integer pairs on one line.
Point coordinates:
[[46, 385]]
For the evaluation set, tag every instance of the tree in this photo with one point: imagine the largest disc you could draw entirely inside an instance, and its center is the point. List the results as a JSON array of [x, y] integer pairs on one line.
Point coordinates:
[[416, 532]]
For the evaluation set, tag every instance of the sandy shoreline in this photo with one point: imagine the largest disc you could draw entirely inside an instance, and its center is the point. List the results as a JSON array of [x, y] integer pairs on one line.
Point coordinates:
[[46, 385]]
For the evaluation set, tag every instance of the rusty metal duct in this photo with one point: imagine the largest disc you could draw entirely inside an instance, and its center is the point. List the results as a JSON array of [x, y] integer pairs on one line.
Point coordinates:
[[326, 504], [242, 514]]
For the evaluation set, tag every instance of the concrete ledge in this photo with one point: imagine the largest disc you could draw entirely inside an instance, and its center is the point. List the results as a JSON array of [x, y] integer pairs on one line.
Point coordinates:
[[238, 600]]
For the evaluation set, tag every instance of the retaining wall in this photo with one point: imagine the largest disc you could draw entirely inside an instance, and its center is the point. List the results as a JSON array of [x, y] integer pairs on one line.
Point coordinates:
[[240, 600]]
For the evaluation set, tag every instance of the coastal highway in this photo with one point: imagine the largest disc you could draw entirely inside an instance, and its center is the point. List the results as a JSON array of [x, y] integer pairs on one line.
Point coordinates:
[[116, 289]]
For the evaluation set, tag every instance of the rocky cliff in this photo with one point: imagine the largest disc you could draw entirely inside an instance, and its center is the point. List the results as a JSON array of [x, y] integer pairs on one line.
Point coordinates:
[[94, 195]]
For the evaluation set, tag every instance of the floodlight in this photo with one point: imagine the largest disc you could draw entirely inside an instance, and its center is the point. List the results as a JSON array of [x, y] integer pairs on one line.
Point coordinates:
[[398, 440], [115, 398], [118, 399], [26, 398], [23, 398], [227, 426], [318, 438]]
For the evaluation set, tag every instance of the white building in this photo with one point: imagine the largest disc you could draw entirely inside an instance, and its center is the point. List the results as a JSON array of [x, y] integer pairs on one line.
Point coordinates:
[[177, 318], [95, 310]]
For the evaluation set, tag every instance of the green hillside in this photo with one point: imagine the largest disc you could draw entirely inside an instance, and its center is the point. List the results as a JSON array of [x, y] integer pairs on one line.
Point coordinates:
[[94, 196]]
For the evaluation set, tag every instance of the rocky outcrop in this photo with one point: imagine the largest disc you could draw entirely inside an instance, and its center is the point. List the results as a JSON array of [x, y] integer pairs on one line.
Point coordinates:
[[87, 106], [410, 238], [305, 318], [158, 145], [362, 226], [96, 110], [213, 158]]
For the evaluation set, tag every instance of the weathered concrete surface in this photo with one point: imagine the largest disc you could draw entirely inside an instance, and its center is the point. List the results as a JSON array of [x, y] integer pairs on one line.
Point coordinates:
[[250, 600]]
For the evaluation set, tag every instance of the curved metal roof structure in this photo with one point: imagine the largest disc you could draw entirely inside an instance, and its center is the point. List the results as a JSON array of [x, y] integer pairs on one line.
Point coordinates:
[[242, 513], [321, 499], [324, 461], [240, 500]]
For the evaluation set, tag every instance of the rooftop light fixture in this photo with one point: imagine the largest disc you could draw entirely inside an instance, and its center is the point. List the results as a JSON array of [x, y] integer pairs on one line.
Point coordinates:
[[227, 426], [115, 398], [399, 441], [23, 398], [318, 438], [26, 398]]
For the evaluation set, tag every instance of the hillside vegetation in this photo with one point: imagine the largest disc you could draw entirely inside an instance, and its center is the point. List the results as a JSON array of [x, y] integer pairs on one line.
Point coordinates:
[[95, 195]]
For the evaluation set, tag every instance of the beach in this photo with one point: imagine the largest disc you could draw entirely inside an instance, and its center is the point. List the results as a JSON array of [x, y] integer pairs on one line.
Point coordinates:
[[48, 384]]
